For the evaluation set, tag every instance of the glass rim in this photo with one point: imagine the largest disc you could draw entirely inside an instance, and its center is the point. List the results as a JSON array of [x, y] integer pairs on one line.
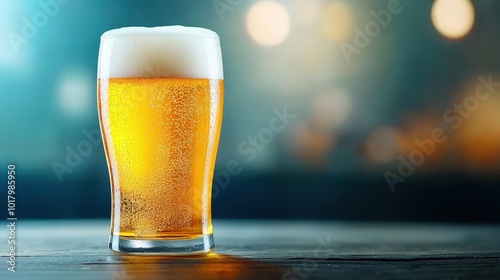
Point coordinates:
[[170, 30]]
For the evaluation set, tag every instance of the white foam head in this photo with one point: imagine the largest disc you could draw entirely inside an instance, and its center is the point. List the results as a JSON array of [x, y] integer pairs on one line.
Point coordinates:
[[167, 51]]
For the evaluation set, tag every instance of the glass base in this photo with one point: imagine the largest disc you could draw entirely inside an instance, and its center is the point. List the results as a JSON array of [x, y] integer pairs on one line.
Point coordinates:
[[201, 245]]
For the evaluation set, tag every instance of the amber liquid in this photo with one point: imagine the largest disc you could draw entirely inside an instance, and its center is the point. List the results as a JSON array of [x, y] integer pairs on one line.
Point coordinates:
[[161, 137]]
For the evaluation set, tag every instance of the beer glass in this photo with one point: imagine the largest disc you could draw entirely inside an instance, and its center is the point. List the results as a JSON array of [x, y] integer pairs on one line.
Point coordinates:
[[160, 98]]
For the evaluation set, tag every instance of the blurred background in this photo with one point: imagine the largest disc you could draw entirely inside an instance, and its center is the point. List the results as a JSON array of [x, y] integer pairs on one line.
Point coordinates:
[[390, 109]]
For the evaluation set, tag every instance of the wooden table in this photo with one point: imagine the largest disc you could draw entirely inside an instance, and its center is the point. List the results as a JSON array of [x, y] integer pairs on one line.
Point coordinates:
[[291, 250]]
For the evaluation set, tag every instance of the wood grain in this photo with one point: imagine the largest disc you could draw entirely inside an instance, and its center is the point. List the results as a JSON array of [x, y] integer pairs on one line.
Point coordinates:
[[291, 250]]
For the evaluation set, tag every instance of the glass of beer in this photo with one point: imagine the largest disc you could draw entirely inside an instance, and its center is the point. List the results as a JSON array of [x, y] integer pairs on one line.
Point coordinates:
[[160, 98]]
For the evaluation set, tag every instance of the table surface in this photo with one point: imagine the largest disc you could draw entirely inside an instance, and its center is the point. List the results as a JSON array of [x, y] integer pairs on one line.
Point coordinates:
[[290, 250]]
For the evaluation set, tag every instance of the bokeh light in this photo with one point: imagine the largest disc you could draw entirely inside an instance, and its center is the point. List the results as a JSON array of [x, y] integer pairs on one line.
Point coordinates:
[[419, 127], [337, 23], [307, 11], [310, 145], [331, 109], [453, 18], [478, 135], [382, 145], [268, 23], [417, 134], [75, 93]]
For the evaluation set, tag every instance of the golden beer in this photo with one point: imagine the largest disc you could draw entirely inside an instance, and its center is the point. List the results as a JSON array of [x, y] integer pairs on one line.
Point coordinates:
[[161, 136]]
